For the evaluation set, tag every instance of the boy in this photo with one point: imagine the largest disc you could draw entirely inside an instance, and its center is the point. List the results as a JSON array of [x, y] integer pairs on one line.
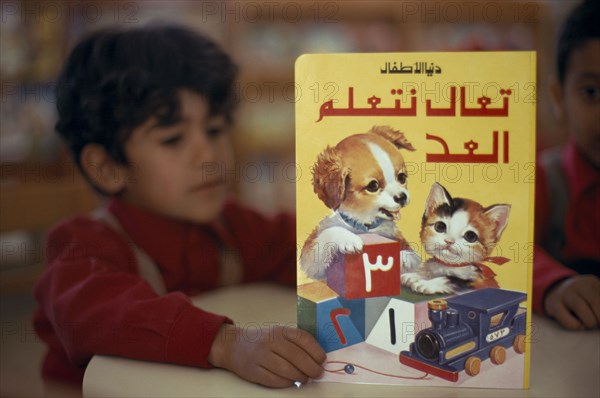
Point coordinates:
[[567, 254], [146, 114]]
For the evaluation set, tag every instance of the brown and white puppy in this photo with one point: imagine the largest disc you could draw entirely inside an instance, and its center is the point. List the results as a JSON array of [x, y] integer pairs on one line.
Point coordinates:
[[363, 180]]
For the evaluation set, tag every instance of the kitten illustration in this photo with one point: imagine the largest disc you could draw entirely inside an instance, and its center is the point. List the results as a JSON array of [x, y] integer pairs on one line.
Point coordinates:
[[459, 235]]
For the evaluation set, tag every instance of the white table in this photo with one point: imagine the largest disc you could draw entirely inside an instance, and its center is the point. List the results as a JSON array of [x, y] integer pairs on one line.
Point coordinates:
[[563, 363]]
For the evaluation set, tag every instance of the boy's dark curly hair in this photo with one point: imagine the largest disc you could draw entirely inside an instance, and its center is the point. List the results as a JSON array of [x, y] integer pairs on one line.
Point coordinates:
[[582, 24], [115, 79]]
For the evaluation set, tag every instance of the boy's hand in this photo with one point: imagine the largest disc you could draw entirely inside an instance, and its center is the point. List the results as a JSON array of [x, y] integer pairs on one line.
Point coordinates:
[[575, 302], [272, 356]]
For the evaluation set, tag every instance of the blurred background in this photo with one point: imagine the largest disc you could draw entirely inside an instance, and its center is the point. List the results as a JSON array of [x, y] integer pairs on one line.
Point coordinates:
[[39, 184]]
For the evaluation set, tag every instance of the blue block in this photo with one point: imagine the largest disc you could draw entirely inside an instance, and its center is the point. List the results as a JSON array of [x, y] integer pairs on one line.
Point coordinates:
[[357, 314], [335, 322], [331, 337]]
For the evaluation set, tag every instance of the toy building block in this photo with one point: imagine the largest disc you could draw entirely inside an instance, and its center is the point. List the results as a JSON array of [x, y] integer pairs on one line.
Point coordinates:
[[329, 318], [357, 314], [375, 272], [402, 317], [374, 307]]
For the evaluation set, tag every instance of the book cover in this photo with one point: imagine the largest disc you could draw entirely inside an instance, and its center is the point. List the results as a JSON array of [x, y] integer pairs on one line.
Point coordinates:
[[415, 194]]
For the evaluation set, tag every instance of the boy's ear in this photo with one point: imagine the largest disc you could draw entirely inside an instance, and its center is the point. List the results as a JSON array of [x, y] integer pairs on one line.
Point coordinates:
[[102, 170], [557, 98]]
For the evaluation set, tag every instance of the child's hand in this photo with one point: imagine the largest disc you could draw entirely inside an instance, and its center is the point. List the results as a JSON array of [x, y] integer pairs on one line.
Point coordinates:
[[575, 302], [272, 356]]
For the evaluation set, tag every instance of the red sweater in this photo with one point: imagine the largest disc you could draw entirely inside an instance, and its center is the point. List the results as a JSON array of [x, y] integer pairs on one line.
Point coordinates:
[[581, 229], [92, 300]]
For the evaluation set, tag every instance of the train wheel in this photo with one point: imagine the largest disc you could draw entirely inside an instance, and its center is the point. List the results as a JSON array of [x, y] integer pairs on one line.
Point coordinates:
[[498, 355], [519, 344], [472, 366]]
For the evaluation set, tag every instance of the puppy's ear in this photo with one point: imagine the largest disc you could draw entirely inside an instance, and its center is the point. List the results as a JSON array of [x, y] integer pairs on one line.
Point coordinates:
[[394, 136], [329, 178]]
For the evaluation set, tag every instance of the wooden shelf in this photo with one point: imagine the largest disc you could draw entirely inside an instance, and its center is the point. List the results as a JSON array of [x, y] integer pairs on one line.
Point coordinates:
[[36, 206]]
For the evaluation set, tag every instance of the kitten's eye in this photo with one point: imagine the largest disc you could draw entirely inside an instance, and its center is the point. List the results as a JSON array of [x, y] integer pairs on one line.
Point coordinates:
[[471, 236], [402, 178], [439, 227], [373, 186]]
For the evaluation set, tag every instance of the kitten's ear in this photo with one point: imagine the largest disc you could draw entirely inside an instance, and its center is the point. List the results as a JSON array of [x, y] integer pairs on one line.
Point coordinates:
[[437, 197], [499, 214]]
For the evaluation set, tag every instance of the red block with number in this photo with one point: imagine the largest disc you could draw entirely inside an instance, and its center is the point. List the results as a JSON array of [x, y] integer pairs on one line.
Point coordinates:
[[374, 272]]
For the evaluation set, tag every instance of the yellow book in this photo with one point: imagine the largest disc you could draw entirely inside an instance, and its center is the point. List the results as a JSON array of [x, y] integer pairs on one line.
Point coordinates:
[[415, 207]]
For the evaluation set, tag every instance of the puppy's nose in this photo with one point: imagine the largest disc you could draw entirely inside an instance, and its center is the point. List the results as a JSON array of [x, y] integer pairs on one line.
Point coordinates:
[[400, 199]]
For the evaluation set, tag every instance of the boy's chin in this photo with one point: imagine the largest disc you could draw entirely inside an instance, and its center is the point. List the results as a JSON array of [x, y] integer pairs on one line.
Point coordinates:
[[206, 213], [203, 212]]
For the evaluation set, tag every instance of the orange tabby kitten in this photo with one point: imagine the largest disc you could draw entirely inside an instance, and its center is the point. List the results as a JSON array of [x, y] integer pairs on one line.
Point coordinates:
[[459, 235]]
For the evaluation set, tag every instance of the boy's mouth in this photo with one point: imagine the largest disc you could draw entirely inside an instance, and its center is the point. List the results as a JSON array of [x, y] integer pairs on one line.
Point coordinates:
[[206, 185]]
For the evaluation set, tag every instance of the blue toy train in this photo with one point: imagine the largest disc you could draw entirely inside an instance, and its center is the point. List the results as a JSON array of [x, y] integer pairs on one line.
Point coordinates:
[[467, 329]]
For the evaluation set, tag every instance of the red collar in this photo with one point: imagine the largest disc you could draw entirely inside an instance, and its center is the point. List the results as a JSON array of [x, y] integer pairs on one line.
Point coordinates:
[[485, 270]]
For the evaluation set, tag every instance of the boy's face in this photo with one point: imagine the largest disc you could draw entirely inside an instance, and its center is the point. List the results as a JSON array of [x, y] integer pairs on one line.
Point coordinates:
[[179, 170], [579, 99]]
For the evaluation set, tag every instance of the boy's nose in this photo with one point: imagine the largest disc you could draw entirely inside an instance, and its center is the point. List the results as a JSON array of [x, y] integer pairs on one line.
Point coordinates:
[[203, 148]]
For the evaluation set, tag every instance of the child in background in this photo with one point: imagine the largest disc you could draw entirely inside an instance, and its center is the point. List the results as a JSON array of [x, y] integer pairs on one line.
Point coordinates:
[[566, 283], [146, 113]]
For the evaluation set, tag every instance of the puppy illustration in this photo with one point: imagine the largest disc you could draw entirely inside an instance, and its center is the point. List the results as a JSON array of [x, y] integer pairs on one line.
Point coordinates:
[[363, 180]]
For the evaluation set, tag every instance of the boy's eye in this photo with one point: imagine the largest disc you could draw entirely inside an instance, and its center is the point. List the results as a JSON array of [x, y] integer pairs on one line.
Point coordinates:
[[216, 126], [172, 140], [591, 93], [214, 131]]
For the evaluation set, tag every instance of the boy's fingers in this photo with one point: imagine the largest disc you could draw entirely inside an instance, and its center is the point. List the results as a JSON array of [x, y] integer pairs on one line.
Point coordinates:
[[583, 312], [583, 308], [284, 367], [595, 306], [307, 342], [301, 360], [592, 296], [271, 379], [566, 318]]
